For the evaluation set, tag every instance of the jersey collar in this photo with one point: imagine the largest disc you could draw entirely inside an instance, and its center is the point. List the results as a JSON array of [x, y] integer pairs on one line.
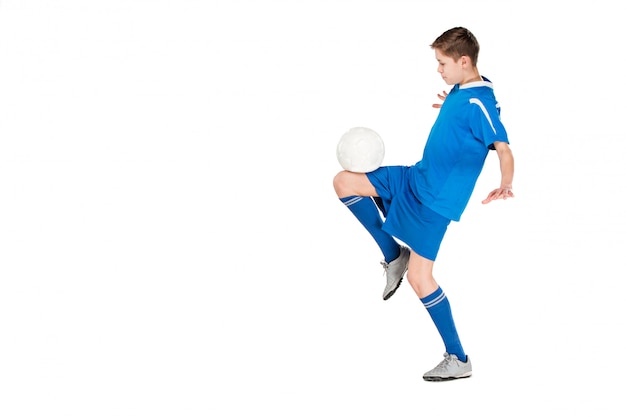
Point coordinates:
[[484, 83]]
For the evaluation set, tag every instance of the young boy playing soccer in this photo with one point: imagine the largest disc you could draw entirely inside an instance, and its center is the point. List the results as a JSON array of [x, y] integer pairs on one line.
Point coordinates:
[[419, 201]]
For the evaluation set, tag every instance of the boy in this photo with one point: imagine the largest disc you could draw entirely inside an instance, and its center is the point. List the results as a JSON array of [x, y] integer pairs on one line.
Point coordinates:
[[419, 201]]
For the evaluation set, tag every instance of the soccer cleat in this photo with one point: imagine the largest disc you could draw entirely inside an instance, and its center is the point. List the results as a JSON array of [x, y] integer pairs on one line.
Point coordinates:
[[449, 368], [395, 271]]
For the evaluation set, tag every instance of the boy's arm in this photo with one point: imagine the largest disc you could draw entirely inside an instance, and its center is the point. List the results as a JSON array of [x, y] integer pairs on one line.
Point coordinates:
[[507, 167]]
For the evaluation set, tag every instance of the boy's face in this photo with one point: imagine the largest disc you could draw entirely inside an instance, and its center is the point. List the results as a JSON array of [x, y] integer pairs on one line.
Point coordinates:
[[451, 71]]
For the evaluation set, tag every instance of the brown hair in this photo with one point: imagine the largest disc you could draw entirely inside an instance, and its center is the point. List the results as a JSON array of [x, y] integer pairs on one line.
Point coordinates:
[[458, 42]]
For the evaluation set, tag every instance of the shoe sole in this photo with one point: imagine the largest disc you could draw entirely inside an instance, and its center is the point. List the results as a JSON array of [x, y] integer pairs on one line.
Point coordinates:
[[392, 292], [442, 379]]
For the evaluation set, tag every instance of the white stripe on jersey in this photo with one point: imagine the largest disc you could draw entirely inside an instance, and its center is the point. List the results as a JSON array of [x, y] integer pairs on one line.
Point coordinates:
[[482, 107]]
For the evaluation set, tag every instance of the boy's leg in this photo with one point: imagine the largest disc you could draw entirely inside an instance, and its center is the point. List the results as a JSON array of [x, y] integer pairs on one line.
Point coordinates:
[[355, 190], [456, 364], [365, 210], [438, 307]]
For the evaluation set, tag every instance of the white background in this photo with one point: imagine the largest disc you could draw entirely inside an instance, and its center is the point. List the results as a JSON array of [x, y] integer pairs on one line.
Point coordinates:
[[171, 245]]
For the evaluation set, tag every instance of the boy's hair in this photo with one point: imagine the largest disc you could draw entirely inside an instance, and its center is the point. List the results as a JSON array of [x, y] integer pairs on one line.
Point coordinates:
[[458, 42]]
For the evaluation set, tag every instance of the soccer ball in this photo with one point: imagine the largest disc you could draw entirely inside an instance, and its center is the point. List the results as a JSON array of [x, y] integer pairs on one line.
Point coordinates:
[[360, 149]]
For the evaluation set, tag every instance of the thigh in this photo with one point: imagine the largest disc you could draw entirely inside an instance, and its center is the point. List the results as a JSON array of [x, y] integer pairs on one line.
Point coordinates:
[[348, 183], [389, 181]]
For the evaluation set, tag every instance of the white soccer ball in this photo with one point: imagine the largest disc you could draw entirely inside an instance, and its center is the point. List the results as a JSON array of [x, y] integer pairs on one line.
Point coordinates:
[[360, 149]]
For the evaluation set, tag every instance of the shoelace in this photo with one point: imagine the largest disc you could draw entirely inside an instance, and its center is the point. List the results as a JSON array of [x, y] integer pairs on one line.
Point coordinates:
[[385, 267], [447, 360]]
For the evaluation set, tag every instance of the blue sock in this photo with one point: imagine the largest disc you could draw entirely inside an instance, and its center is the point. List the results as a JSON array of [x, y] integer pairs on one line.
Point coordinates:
[[438, 307], [366, 211]]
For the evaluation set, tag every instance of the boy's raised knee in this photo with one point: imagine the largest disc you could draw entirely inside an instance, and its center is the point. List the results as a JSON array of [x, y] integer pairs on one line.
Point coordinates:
[[339, 183]]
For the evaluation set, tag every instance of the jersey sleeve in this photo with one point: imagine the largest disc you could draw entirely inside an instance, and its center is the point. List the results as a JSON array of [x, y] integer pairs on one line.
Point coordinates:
[[485, 123]]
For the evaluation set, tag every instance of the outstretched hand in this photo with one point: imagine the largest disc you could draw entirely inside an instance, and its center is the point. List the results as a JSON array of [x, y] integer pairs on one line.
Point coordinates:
[[499, 194], [442, 97]]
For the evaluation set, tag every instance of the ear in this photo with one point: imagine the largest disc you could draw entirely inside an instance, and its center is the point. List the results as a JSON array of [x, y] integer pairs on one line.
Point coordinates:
[[466, 61]]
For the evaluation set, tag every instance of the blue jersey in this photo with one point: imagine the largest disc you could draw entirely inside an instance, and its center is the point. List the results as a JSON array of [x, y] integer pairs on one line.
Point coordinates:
[[459, 141]]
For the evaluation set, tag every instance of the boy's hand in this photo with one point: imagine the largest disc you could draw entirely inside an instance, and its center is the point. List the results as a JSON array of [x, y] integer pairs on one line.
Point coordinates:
[[442, 97], [499, 193]]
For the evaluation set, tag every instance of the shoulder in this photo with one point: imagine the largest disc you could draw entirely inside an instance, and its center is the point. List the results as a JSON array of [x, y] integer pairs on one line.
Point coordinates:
[[481, 93], [478, 89]]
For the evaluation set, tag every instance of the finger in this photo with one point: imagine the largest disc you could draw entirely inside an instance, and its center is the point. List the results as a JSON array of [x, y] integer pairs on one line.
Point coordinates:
[[488, 199], [498, 194], [503, 194]]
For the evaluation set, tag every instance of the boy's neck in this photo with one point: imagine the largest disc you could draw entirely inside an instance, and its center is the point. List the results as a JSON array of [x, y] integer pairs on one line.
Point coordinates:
[[471, 77]]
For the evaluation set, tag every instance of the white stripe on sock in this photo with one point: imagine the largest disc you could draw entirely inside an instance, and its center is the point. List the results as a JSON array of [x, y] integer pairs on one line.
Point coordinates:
[[353, 201], [436, 301]]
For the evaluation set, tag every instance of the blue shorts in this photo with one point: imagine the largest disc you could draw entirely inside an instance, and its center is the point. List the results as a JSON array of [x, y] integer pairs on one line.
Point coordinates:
[[406, 217]]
